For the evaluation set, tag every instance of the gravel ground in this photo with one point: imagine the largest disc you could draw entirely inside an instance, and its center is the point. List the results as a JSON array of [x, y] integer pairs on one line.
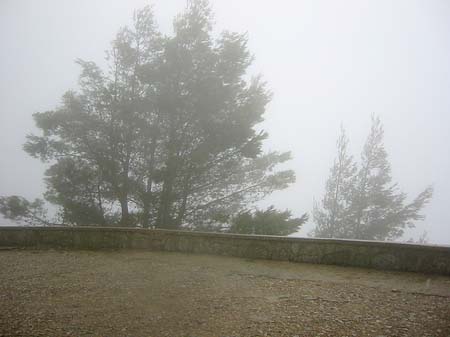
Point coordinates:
[[135, 293]]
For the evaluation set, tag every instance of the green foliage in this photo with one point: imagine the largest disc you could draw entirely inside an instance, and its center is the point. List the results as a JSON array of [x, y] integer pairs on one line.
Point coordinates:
[[364, 203], [19, 209], [268, 222], [166, 135], [77, 190]]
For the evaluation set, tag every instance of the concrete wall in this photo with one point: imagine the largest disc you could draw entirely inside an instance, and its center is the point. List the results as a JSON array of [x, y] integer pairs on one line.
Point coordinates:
[[369, 254]]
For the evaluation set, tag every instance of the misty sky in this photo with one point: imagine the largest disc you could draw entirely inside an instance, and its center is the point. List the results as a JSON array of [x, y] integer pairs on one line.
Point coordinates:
[[327, 63]]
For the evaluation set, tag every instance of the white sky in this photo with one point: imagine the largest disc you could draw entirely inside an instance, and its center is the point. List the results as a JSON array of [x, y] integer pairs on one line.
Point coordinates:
[[327, 63]]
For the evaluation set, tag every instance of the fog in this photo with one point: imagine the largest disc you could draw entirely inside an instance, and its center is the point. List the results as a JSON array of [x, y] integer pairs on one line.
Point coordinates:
[[327, 63]]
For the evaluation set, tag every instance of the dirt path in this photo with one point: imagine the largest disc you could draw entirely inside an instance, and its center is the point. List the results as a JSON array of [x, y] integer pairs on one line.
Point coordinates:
[[66, 293]]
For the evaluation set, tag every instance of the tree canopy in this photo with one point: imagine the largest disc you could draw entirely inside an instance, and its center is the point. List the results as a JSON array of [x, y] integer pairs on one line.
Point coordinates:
[[165, 136]]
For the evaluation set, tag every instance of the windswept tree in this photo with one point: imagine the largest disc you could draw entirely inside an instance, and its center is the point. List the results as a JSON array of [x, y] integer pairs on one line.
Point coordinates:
[[379, 209], [375, 209], [332, 213], [165, 136]]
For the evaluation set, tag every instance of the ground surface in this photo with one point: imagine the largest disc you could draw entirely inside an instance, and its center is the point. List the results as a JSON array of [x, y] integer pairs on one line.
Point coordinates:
[[130, 293]]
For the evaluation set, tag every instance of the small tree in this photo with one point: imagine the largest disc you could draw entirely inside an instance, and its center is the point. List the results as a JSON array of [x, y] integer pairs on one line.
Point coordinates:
[[268, 222], [371, 207], [422, 240], [331, 215], [378, 207]]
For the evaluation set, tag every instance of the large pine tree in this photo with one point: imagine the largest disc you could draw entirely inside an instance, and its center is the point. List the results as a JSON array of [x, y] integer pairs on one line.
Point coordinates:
[[165, 137]]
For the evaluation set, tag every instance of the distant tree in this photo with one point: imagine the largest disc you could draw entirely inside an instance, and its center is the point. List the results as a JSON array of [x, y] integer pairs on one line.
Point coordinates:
[[268, 222], [166, 136], [331, 215], [422, 240], [377, 210], [20, 210]]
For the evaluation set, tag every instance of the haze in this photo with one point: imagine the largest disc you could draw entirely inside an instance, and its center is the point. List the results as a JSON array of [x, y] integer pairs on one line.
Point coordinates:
[[326, 63]]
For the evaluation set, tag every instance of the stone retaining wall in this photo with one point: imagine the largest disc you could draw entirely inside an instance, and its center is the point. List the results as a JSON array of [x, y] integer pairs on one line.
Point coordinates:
[[368, 254]]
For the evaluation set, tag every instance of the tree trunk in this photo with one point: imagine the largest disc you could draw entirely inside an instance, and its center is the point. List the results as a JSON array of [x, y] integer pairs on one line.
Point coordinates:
[[182, 210], [125, 219], [146, 215], [164, 220]]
